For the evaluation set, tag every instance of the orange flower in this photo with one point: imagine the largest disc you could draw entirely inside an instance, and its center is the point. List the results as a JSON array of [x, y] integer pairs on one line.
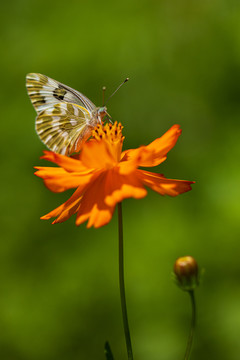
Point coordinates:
[[104, 175]]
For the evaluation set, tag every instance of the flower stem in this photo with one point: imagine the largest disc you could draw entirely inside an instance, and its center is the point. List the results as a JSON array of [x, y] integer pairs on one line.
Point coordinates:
[[121, 284], [192, 327]]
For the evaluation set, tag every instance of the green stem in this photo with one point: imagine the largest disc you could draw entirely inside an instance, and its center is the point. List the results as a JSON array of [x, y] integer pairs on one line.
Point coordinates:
[[193, 324], [121, 284]]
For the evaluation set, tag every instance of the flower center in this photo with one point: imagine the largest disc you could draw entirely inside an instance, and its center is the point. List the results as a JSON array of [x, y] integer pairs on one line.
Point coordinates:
[[112, 136]]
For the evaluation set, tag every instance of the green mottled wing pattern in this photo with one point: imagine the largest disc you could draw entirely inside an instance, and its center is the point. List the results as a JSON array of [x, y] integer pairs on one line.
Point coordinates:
[[63, 127]]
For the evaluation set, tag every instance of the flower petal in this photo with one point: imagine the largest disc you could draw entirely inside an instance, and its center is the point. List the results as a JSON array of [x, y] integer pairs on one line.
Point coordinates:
[[64, 211], [93, 207], [96, 155], [127, 166], [119, 187], [59, 180], [105, 192], [70, 207], [67, 163], [163, 186], [155, 153]]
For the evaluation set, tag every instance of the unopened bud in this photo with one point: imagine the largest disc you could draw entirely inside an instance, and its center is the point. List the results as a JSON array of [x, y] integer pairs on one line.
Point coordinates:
[[186, 271]]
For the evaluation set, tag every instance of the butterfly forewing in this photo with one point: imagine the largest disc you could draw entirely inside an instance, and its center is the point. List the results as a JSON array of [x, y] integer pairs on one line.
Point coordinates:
[[44, 92], [63, 127]]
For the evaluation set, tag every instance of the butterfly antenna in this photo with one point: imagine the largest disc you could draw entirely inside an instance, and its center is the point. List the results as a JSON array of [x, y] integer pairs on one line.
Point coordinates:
[[103, 93], [116, 90]]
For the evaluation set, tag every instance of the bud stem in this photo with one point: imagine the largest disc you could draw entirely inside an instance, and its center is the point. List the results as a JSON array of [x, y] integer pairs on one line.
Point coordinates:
[[192, 327]]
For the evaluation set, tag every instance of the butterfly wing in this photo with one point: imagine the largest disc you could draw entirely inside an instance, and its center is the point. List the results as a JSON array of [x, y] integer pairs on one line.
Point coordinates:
[[63, 127], [45, 92], [65, 116]]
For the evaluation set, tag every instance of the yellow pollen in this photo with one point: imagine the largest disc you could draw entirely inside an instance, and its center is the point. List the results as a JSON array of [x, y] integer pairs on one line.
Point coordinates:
[[112, 136], [110, 133]]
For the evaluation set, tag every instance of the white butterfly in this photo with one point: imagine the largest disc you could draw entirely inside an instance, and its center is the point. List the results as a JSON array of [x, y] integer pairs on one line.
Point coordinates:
[[65, 116]]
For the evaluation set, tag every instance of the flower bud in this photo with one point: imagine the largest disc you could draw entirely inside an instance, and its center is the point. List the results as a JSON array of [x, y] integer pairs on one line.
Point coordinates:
[[186, 271]]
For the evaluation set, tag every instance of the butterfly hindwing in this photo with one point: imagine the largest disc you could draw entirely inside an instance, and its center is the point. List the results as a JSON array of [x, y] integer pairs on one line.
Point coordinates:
[[63, 127], [45, 92]]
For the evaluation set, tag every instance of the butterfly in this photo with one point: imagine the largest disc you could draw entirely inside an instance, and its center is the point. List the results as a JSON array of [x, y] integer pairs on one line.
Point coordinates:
[[65, 117]]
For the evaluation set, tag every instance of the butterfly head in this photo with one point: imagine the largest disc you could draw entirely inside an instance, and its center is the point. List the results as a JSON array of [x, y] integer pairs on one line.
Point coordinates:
[[101, 113]]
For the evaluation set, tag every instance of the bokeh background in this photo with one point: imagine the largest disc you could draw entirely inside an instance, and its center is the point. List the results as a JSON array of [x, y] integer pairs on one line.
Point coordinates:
[[59, 295]]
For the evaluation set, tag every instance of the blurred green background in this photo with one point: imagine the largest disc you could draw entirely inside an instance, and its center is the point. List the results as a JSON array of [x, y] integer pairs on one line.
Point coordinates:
[[59, 295]]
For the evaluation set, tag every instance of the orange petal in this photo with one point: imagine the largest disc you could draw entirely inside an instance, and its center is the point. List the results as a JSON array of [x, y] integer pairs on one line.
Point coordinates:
[[119, 187], [129, 165], [67, 163], [163, 186], [64, 211], [155, 153], [108, 189], [92, 206], [67, 212], [97, 155], [70, 207], [59, 180]]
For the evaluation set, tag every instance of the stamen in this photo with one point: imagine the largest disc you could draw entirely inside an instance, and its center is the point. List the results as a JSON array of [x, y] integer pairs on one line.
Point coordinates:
[[109, 132]]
